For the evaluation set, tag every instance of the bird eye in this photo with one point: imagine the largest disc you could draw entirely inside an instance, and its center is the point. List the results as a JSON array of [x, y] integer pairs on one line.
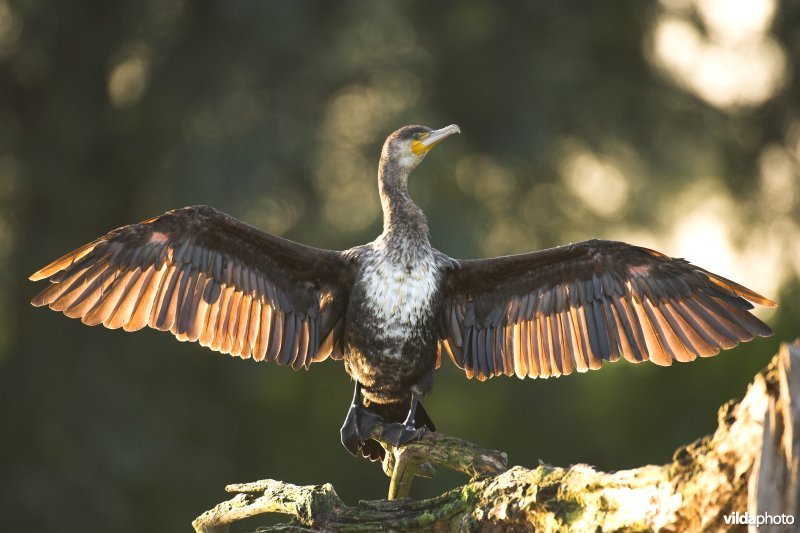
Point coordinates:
[[417, 136]]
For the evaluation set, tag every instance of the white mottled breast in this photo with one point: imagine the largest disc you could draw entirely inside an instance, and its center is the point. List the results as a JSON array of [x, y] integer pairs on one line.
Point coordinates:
[[399, 289]]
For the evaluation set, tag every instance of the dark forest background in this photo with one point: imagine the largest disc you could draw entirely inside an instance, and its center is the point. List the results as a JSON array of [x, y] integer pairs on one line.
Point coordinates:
[[672, 124]]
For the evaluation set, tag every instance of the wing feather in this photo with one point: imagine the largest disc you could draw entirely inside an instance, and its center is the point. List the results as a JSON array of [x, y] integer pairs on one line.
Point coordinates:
[[265, 326], [124, 311], [240, 347], [86, 301], [107, 300], [553, 312], [277, 336], [207, 277], [285, 356], [145, 300], [302, 350]]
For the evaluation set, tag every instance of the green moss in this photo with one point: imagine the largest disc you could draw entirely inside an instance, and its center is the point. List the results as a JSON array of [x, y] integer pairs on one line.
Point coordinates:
[[467, 492], [426, 519]]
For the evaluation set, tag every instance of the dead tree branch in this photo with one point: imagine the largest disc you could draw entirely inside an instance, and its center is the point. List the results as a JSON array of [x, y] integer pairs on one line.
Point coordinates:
[[750, 464]]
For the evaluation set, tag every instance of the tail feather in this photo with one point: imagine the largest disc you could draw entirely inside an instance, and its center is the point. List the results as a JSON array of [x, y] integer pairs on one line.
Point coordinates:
[[423, 418]]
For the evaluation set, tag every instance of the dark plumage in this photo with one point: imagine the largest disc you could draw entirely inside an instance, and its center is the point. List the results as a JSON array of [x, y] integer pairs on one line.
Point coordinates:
[[391, 307]]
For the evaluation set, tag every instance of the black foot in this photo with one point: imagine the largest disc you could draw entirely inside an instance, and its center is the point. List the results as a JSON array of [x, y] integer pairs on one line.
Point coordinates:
[[358, 427], [399, 434]]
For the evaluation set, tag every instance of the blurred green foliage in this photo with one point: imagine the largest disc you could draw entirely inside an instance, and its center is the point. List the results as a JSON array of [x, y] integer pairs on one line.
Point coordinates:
[[580, 120]]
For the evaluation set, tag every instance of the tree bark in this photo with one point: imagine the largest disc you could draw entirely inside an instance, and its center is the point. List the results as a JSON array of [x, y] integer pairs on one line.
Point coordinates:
[[750, 465]]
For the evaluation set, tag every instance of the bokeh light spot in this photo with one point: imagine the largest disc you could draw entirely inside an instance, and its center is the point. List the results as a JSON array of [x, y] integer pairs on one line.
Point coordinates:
[[595, 180], [128, 81], [733, 63]]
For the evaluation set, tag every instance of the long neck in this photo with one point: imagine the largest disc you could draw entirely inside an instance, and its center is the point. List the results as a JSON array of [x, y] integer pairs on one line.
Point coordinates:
[[402, 218]]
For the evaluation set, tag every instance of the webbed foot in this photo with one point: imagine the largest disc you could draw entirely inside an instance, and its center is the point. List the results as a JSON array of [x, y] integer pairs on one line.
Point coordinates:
[[399, 434], [358, 424]]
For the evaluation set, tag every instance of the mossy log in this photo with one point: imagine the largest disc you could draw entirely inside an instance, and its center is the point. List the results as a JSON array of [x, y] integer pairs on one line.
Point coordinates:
[[750, 464]]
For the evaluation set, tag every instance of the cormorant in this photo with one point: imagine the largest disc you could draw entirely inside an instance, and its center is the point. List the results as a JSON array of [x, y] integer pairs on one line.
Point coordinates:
[[390, 308]]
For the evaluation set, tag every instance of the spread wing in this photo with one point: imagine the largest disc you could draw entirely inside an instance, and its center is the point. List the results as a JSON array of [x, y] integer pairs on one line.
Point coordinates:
[[207, 277], [569, 308]]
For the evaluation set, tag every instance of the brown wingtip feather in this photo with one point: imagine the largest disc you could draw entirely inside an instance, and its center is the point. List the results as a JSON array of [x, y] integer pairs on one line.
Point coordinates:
[[62, 262], [757, 298], [747, 294], [740, 290]]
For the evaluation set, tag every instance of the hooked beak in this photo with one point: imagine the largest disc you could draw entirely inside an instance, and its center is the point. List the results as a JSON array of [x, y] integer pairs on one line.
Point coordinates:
[[423, 146]]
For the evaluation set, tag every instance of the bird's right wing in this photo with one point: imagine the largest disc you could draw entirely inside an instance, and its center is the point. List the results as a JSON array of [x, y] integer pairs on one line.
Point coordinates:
[[550, 312], [207, 277]]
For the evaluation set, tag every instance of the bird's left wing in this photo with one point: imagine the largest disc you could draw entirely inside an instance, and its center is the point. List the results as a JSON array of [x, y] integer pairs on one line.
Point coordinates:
[[207, 277], [569, 308]]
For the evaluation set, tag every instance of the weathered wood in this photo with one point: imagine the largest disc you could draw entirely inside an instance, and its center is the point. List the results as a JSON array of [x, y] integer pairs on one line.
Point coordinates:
[[773, 484], [435, 449], [751, 464], [321, 508]]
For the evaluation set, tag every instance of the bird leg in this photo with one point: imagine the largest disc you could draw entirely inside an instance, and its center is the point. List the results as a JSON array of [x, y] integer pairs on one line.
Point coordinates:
[[358, 424], [400, 434]]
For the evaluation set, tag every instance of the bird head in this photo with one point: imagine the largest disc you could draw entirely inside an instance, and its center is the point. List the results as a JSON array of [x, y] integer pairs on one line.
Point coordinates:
[[408, 146]]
